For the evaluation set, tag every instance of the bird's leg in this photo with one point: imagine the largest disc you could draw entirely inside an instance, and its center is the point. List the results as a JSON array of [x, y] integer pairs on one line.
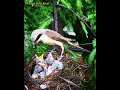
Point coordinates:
[[61, 56], [62, 47], [53, 49]]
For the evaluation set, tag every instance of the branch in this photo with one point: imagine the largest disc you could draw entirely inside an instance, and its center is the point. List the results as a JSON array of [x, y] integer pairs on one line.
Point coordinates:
[[55, 16], [59, 5], [69, 82], [85, 44], [26, 87]]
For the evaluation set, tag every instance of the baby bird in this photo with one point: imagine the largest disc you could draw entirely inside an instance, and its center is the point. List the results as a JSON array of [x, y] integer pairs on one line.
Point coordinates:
[[49, 60], [41, 67]]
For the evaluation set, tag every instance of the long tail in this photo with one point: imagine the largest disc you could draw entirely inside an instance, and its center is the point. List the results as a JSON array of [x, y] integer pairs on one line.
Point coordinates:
[[80, 48]]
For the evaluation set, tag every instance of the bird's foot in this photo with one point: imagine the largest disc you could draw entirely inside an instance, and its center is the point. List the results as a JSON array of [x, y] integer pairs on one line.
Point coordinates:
[[60, 57], [53, 50]]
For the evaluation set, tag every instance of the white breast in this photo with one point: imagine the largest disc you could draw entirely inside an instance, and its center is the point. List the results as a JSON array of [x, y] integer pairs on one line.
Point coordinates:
[[45, 39]]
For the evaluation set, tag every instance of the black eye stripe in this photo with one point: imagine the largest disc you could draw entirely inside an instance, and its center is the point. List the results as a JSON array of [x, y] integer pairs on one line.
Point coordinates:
[[38, 37]]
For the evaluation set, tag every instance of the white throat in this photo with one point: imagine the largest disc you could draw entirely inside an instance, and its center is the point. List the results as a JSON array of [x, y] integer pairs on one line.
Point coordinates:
[[45, 39]]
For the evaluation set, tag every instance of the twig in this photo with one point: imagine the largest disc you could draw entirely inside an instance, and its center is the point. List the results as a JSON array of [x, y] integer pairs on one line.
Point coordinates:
[[69, 87], [85, 44], [74, 70], [59, 5], [69, 82], [26, 87], [58, 87]]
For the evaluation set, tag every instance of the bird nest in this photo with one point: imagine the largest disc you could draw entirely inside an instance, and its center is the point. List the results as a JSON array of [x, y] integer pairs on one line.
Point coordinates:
[[71, 77]]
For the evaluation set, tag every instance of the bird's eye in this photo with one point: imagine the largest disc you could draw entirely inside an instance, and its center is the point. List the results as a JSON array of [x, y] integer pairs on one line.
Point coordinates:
[[37, 37], [44, 56]]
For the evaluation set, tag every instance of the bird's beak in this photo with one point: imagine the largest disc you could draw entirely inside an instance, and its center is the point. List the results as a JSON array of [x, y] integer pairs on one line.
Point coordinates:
[[42, 64], [34, 45]]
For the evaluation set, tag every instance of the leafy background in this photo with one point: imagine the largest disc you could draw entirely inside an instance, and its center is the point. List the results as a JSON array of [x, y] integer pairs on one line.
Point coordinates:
[[41, 16]]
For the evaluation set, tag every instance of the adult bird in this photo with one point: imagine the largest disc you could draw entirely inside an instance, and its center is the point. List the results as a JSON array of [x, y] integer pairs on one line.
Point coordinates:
[[51, 37]]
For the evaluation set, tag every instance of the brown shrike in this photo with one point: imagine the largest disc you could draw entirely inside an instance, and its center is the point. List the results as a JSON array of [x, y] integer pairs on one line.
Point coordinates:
[[51, 37]]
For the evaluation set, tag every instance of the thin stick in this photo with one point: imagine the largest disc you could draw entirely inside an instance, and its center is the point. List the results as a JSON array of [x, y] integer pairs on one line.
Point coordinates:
[[69, 87], [26, 87], [85, 44], [69, 82], [57, 88]]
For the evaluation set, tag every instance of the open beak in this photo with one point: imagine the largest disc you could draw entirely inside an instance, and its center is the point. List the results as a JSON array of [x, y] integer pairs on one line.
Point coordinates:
[[42, 64]]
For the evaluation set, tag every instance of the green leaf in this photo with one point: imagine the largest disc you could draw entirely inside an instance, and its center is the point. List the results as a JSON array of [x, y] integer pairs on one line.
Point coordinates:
[[93, 75], [94, 43], [58, 1], [66, 3], [66, 46], [94, 28], [74, 55], [93, 20], [84, 28], [92, 55], [88, 1], [26, 26], [45, 23], [62, 15], [90, 16], [79, 4], [69, 26]]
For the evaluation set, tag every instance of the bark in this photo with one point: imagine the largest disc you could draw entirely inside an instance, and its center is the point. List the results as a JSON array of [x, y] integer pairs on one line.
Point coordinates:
[[55, 16]]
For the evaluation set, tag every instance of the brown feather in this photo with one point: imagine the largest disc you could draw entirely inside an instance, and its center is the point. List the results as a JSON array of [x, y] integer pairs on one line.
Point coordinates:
[[56, 36]]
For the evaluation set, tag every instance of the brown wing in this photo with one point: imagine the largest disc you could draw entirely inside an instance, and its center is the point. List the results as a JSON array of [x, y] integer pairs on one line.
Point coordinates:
[[56, 36]]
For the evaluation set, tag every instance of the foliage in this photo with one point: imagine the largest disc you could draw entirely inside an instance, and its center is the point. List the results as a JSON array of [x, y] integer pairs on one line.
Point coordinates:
[[84, 28], [27, 46], [93, 53], [41, 49], [92, 61], [85, 9], [35, 16]]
